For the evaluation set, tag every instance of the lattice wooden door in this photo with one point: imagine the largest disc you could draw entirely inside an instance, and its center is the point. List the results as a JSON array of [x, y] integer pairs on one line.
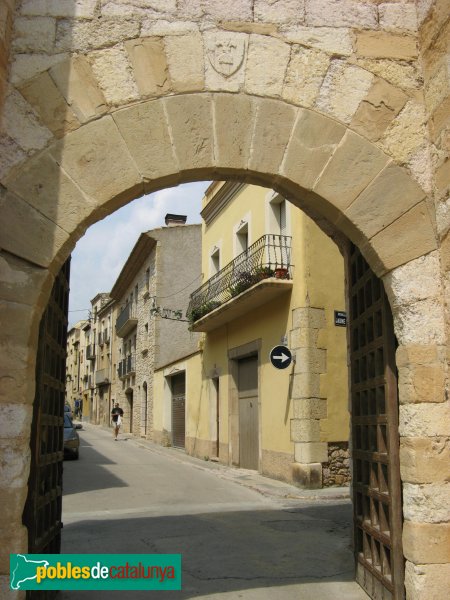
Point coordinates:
[[375, 440], [42, 515]]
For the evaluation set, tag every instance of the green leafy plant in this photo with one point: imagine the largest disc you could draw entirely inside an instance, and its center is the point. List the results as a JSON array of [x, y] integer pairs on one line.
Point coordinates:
[[263, 273]]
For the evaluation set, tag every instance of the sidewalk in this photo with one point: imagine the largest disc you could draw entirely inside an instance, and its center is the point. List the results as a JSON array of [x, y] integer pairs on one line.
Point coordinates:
[[251, 479]]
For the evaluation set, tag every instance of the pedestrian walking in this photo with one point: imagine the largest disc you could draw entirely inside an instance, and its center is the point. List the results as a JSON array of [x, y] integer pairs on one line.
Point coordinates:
[[116, 415]]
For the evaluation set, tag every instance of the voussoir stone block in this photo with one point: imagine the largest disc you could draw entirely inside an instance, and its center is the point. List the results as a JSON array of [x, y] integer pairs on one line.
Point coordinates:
[[313, 141], [388, 196], [22, 125], [266, 65], [28, 233], [145, 131], [76, 82], [343, 88], [97, 159], [22, 282], [304, 75], [410, 236], [185, 59], [111, 68], [375, 113], [233, 138], [42, 183], [426, 543], [354, 164], [190, 121], [150, 68], [274, 122], [42, 93]]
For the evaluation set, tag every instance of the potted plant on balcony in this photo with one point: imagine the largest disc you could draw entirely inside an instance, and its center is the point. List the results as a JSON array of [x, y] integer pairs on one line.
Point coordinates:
[[281, 273], [262, 272], [242, 283]]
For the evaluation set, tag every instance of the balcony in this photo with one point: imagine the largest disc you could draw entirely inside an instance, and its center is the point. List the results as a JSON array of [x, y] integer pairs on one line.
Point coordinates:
[[127, 366], [257, 276], [90, 352], [126, 321], [102, 377]]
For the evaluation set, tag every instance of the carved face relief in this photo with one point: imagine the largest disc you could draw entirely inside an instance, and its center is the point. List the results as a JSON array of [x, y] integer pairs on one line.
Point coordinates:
[[226, 55]]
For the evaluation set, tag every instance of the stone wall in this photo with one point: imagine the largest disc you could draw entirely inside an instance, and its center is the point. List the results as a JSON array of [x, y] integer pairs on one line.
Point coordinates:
[[109, 100], [6, 26], [336, 471]]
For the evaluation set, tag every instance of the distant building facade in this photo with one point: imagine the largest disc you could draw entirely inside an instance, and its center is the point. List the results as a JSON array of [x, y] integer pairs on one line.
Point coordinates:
[[151, 296], [74, 375]]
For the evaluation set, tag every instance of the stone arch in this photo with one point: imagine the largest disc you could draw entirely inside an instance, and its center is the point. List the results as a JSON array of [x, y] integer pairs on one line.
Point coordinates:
[[49, 200]]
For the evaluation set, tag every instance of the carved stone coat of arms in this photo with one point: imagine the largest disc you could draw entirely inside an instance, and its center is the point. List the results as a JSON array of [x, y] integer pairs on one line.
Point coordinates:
[[226, 55]]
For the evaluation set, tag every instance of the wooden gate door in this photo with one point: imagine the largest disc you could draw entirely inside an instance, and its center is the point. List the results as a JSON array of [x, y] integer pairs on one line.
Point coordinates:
[[178, 410], [377, 502], [248, 413], [42, 514]]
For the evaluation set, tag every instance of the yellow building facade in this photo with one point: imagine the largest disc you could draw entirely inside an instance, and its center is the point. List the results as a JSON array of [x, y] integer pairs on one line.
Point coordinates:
[[262, 290]]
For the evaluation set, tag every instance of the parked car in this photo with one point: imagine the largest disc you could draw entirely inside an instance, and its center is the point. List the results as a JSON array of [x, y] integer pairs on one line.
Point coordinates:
[[71, 438], [68, 410]]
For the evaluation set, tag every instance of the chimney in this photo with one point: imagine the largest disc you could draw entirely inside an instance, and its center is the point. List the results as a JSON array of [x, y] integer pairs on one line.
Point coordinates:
[[172, 220]]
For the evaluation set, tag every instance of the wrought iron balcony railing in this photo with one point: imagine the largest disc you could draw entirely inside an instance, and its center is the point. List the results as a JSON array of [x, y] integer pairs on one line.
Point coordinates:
[[126, 320], [126, 366], [102, 376], [270, 256]]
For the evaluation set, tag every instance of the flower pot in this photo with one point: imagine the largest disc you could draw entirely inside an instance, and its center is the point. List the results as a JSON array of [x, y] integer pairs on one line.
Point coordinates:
[[281, 273]]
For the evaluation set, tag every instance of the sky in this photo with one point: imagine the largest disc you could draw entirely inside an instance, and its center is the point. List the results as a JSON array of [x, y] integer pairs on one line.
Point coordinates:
[[101, 253]]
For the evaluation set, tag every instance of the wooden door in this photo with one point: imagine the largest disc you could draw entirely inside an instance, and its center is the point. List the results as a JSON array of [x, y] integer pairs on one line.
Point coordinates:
[[375, 439], [178, 383], [42, 514], [248, 413]]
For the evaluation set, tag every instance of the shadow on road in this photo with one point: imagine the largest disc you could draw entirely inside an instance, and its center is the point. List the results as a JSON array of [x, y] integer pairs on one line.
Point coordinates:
[[77, 480], [232, 551]]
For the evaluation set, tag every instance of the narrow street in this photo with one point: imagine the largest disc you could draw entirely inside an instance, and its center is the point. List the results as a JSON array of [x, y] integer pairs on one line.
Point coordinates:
[[240, 535]]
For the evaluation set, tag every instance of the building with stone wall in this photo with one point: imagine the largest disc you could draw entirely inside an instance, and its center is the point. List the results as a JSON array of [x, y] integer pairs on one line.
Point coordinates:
[[340, 106], [151, 295], [75, 343], [102, 314], [261, 289]]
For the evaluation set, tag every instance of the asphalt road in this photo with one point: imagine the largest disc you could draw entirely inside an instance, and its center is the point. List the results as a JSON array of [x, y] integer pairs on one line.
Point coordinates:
[[240, 535]]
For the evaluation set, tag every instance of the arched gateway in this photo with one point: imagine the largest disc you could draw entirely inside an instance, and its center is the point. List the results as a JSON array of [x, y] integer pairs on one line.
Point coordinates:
[[188, 114]]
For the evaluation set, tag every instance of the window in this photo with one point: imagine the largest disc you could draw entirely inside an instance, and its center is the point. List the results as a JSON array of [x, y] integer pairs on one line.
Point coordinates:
[[278, 215], [215, 261], [242, 237]]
